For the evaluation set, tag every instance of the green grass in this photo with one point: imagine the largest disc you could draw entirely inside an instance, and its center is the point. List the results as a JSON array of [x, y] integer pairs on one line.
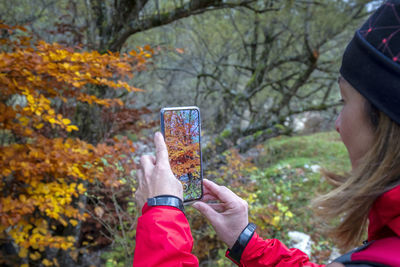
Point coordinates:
[[324, 149]]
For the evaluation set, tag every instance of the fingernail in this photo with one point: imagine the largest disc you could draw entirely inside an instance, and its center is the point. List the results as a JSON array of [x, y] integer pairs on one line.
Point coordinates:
[[158, 134]]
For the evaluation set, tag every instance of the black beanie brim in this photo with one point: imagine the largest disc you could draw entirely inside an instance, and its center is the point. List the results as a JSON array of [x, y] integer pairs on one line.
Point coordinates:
[[373, 75]]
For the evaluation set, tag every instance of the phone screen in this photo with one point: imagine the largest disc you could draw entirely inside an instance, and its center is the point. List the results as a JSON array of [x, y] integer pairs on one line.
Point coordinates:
[[181, 128]]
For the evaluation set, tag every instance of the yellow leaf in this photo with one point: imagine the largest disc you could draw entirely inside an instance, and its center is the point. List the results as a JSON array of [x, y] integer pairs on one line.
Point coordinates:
[[63, 222], [30, 99], [24, 121], [46, 262], [81, 189], [65, 246], [72, 128], [275, 221], [35, 256], [39, 126], [22, 198], [73, 222], [23, 253], [66, 121]]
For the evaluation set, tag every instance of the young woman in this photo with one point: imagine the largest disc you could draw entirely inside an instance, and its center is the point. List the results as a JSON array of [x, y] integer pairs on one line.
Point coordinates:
[[369, 125]]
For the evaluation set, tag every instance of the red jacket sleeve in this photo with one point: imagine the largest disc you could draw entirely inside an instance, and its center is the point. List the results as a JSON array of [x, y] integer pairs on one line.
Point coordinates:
[[163, 238], [272, 252]]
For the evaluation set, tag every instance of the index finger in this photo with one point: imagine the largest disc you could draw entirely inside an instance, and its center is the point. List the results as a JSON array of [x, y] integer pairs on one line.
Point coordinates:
[[161, 148], [220, 192]]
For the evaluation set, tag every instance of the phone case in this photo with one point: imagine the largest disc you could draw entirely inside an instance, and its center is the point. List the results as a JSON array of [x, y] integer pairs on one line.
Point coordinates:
[[190, 181]]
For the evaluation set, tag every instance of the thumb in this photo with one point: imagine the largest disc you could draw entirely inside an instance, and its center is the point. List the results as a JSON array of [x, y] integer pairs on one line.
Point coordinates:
[[207, 211]]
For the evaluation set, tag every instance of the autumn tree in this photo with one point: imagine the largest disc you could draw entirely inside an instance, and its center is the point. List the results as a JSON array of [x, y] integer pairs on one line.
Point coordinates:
[[45, 168], [92, 25]]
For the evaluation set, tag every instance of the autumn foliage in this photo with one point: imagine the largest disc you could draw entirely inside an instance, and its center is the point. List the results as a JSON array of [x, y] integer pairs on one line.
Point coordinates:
[[45, 169]]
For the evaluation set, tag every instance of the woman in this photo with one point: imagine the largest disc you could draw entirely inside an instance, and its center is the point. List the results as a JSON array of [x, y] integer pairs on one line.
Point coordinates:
[[369, 197]]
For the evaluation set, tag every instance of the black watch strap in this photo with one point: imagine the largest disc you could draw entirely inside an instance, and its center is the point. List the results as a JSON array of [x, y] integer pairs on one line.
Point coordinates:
[[166, 200], [235, 253]]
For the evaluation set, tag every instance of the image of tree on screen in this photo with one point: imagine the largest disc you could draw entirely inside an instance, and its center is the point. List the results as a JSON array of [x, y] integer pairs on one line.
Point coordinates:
[[182, 135]]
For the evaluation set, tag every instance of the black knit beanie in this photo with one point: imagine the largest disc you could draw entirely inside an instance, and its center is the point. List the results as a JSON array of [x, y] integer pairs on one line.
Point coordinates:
[[371, 61]]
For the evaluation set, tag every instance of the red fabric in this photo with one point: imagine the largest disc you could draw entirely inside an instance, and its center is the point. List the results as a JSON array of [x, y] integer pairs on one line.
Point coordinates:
[[272, 252], [384, 217], [384, 230], [384, 251], [163, 238]]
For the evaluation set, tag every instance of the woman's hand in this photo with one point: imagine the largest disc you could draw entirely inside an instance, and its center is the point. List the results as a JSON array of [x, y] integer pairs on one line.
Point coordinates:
[[227, 212], [155, 176]]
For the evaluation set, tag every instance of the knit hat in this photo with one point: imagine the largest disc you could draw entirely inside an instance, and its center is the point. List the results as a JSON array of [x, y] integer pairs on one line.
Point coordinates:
[[371, 61]]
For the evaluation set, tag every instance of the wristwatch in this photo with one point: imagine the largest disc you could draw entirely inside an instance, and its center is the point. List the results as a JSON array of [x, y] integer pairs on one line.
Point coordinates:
[[166, 200], [235, 253]]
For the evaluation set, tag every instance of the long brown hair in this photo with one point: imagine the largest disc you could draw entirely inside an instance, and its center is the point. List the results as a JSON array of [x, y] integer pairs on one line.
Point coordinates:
[[377, 172]]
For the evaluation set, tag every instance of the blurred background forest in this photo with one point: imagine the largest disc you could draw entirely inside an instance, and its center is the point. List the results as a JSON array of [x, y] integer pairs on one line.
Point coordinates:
[[82, 83]]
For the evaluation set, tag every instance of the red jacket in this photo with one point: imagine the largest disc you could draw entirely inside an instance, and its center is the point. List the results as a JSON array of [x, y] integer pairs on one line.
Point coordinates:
[[163, 238]]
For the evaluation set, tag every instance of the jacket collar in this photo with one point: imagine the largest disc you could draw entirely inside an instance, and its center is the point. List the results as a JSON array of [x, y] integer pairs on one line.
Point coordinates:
[[384, 217]]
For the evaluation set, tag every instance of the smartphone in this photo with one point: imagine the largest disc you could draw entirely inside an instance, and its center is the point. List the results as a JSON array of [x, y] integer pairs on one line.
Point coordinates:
[[181, 127]]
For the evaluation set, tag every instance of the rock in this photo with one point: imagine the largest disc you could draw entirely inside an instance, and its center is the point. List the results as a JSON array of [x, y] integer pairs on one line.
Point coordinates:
[[301, 241], [334, 254], [315, 168]]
